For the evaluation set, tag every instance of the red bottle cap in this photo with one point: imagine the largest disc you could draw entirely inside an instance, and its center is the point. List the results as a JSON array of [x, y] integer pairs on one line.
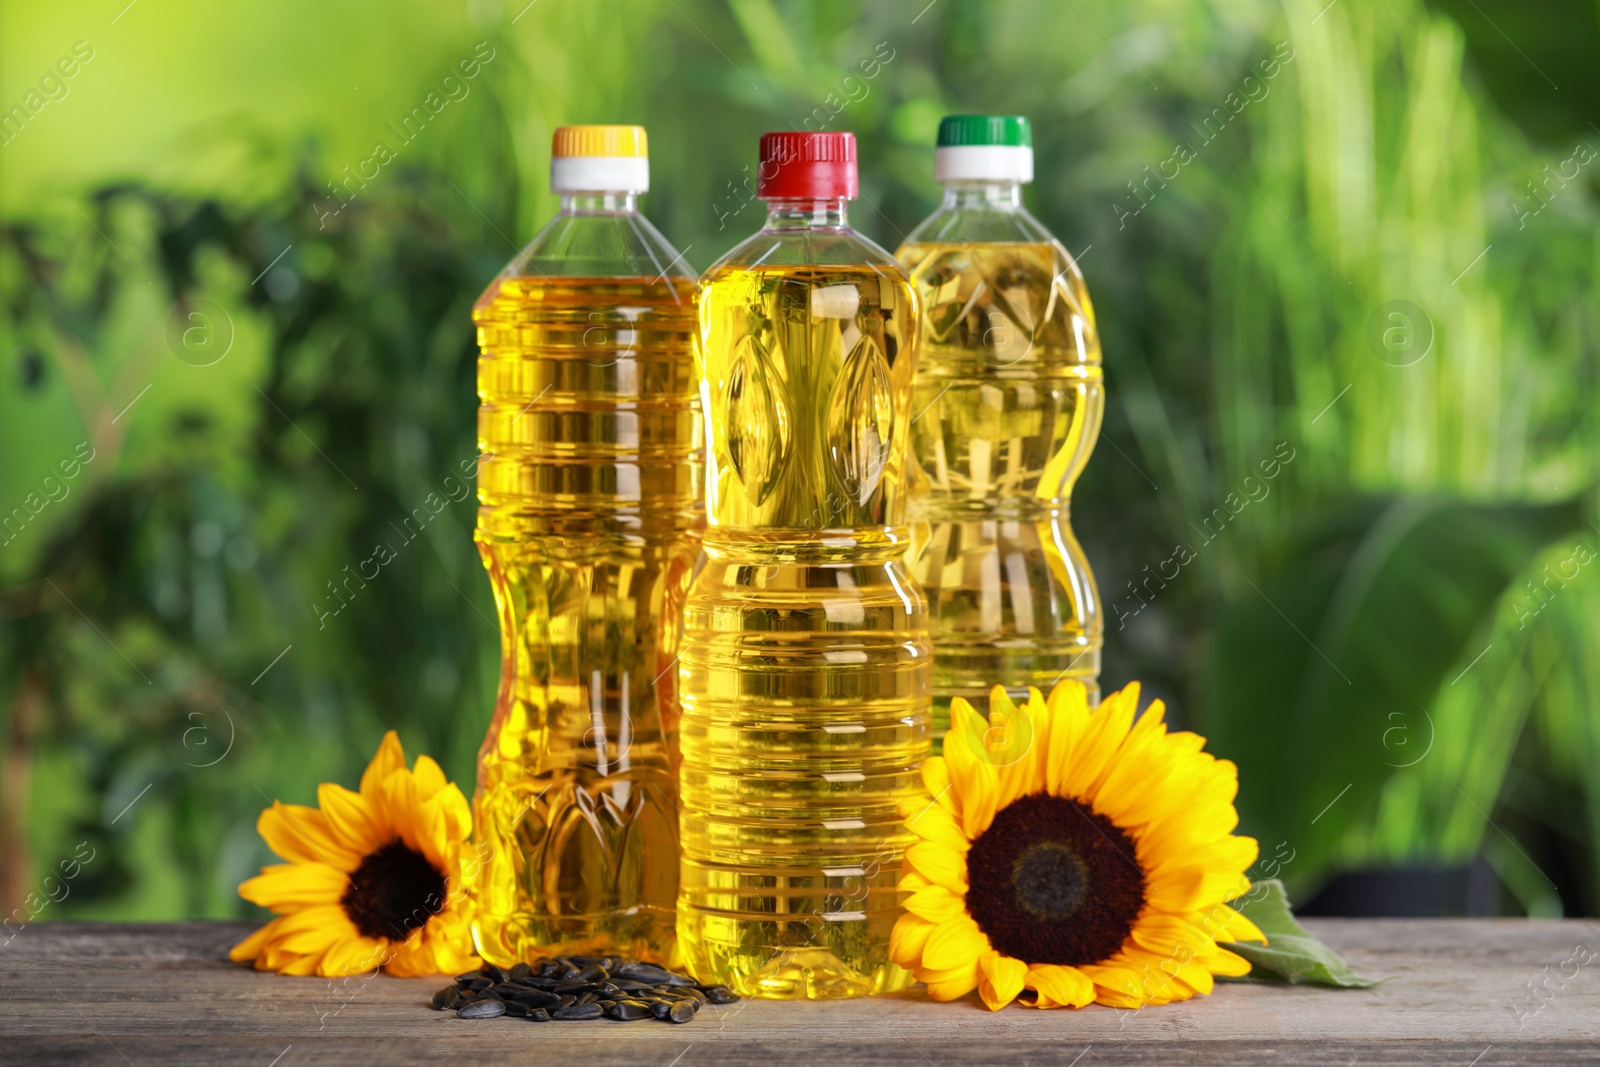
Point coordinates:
[[807, 166]]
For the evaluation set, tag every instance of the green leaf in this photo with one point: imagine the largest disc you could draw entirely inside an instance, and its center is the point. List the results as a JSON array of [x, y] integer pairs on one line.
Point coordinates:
[[1291, 953], [1361, 616]]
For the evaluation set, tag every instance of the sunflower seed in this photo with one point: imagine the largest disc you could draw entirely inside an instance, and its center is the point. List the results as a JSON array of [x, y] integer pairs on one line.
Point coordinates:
[[629, 1010], [631, 985], [579, 987], [482, 1009], [579, 1011]]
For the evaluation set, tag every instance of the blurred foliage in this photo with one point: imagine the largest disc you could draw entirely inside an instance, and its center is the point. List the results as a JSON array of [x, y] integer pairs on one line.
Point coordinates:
[[272, 384]]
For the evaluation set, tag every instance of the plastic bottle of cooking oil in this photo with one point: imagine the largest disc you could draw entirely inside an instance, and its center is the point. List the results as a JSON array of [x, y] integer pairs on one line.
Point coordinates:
[[1008, 399], [589, 487], [804, 672]]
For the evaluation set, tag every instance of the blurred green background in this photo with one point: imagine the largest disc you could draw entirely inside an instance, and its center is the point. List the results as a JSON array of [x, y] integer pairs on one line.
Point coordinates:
[[1361, 236]]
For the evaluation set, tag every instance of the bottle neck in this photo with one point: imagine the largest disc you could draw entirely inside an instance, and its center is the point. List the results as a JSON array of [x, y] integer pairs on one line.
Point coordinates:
[[986, 195], [612, 203], [807, 214]]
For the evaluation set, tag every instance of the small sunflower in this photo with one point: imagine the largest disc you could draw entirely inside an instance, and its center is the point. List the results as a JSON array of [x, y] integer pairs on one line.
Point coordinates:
[[1074, 853], [373, 878]]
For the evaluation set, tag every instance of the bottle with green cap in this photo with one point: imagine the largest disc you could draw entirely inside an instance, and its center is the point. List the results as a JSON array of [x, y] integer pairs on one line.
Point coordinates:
[[1009, 399]]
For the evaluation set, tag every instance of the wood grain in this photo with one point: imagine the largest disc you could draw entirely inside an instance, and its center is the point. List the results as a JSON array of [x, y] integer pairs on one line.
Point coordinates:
[[129, 995]]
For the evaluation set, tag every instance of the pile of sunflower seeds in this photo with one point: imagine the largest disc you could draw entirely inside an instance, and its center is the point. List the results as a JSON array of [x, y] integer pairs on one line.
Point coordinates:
[[579, 987]]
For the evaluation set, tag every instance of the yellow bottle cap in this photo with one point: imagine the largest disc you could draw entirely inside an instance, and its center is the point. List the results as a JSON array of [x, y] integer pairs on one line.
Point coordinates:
[[599, 159], [573, 141]]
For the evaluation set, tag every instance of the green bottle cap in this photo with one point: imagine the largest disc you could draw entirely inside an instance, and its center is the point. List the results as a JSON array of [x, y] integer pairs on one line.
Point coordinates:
[[973, 130]]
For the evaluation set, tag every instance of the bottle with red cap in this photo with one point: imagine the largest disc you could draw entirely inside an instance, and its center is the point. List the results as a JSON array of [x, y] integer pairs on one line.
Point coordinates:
[[804, 673], [589, 518]]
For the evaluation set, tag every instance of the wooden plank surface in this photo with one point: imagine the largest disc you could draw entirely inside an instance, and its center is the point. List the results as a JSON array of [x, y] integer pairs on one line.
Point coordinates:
[[1463, 993]]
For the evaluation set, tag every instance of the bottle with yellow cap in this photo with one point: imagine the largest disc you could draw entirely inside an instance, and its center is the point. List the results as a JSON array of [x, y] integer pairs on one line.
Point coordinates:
[[589, 519]]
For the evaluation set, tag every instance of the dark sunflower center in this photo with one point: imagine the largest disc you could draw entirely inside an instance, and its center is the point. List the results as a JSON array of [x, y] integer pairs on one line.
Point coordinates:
[[1051, 881], [393, 892]]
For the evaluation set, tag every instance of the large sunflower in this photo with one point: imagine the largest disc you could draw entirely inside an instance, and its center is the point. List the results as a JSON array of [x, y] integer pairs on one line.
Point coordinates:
[[1074, 853], [373, 878]]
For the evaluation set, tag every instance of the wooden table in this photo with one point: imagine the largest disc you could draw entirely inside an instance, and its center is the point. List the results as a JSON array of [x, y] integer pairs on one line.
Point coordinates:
[[165, 994]]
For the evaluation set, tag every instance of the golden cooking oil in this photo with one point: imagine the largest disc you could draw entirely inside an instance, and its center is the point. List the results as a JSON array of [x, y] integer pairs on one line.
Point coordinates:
[[589, 517]]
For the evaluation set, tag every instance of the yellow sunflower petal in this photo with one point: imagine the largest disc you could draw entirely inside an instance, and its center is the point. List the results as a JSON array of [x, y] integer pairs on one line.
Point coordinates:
[[907, 939], [357, 955], [312, 931], [1235, 927], [1068, 719], [1114, 978], [950, 984], [1160, 975], [1060, 987], [303, 835], [935, 904], [352, 817], [1193, 888], [292, 886], [936, 776], [1205, 820], [458, 813], [402, 802], [390, 757], [933, 823], [1225, 853], [1011, 747], [423, 953], [940, 865], [254, 946], [430, 779], [956, 943], [1196, 977], [1108, 727], [1002, 979], [297, 966], [972, 776], [1227, 963], [1171, 937]]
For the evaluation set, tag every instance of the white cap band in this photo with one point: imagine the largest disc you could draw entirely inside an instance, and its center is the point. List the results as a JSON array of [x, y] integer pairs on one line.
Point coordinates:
[[956, 163], [600, 174]]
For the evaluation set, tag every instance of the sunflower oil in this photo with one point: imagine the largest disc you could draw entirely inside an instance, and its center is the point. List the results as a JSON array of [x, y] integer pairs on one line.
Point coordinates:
[[588, 524], [804, 670], [1009, 398]]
